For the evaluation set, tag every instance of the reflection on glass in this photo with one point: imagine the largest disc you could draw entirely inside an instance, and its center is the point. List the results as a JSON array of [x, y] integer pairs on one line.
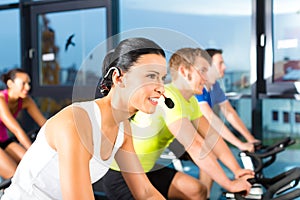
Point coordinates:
[[50, 66], [9, 40], [286, 29], [281, 118], [243, 108], [223, 28], [65, 39], [50, 106]]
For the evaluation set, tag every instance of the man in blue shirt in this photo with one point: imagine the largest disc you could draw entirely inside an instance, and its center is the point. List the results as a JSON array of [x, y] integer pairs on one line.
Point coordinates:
[[212, 96]]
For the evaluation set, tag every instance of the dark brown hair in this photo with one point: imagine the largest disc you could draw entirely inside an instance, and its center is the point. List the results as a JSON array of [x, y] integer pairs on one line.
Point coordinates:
[[11, 75]]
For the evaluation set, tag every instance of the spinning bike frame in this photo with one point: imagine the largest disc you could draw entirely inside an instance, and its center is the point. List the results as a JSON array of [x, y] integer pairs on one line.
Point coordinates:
[[264, 188]]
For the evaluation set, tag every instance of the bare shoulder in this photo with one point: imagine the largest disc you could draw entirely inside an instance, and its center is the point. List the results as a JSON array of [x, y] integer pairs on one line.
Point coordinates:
[[2, 99], [71, 125], [27, 102]]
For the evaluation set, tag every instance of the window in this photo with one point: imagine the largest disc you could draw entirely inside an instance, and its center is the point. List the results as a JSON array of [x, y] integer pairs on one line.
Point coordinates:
[[297, 117], [64, 45], [198, 23], [286, 117], [286, 29], [275, 116], [64, 35], [176, 24], [8, 1], [9, 40]]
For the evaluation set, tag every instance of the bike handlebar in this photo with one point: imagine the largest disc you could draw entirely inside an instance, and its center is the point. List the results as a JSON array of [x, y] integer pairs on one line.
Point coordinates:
[[4, 184], [279, 184]]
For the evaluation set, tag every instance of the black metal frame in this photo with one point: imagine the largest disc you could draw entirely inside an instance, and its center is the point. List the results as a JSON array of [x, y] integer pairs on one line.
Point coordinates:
[[33, 9], [258, 87]]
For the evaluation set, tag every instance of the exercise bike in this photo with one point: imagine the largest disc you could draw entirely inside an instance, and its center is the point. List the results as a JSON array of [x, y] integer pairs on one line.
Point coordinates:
[[32, 136], [279, 187]]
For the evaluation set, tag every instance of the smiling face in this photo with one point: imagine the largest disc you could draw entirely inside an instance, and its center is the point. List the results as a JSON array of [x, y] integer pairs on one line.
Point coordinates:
[[198, 74], [144, 83], [20, 86]]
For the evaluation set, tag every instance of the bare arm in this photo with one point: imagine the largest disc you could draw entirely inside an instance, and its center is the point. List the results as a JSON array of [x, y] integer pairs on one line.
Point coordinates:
[[132, 171], [202, 152], [34, 111], [233, 118], [220, 148], [12, 124], [222, 129], [73, 154]]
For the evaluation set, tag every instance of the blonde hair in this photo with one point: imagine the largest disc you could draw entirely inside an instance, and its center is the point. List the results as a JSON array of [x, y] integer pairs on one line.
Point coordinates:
[[187, 58]]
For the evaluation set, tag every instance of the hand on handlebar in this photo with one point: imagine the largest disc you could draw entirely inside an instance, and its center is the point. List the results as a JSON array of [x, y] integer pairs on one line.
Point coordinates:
[[247, 146], [244, 173], [240, 185], [256, 142]]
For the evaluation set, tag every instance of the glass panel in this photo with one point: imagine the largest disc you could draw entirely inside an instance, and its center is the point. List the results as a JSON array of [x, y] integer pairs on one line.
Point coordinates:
[[50, 106], [8, 1], [9, 40], [288, 112], [208, 27], [286, 31], [66, 38], [243, 108], [224, 28]]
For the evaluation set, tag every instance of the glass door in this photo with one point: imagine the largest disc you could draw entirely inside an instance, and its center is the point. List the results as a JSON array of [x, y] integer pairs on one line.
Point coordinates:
[[63, 35]]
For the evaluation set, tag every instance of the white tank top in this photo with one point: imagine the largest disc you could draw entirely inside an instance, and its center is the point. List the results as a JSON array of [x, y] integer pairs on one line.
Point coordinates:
[[37, 175]]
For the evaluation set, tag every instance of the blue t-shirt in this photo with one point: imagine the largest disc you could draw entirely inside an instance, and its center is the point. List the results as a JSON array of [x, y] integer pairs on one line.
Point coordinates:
[[212, 97]]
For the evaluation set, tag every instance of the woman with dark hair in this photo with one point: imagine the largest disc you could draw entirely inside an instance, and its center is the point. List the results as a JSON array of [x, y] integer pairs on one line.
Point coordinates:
[[12, 100], [76, 146]]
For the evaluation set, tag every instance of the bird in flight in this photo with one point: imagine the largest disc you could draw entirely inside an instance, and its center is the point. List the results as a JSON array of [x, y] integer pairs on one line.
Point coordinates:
[[69, 42]]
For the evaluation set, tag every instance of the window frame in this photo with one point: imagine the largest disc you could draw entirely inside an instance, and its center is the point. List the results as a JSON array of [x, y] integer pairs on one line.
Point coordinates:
[[57, 91]]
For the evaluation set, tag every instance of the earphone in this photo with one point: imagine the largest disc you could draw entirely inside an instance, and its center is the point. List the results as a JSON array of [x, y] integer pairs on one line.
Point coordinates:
[[112, 68], [103, 88]]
